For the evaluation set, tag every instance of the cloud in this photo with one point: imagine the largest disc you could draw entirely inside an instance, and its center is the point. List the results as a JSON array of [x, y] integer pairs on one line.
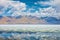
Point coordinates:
[[43, 3], [17, 8], [54, 2], [49, 12], [52, 11], [56, 5]]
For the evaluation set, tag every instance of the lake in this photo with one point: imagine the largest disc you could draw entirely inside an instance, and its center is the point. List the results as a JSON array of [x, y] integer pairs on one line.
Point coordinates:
[[29, 35]]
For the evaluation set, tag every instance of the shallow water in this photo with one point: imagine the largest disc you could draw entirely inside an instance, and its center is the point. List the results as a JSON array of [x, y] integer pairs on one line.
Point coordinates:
[[29, 36]]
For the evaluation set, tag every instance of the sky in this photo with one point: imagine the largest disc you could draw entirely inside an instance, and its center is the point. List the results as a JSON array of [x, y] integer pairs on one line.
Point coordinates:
[[47, 9], [25, 6]]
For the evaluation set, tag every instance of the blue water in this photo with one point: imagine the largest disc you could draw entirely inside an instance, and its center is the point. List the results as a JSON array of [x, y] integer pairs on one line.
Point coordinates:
[[30, 35]]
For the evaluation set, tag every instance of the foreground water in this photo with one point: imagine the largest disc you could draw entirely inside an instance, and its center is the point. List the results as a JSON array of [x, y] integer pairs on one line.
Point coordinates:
[[29, 35]]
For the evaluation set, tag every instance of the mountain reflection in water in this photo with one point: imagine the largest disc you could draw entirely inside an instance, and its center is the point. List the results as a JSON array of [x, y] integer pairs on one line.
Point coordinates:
[[29, 36]]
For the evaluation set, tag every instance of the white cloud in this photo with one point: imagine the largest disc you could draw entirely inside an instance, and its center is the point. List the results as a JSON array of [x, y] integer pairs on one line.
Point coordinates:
[[43, 3], [54, 2], [56, 5], [44, 12], [4, 4], [50, 11], [18, 7]]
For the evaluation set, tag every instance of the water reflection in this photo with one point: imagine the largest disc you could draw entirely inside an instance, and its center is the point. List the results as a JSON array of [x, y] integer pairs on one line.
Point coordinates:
[[29, 36]]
